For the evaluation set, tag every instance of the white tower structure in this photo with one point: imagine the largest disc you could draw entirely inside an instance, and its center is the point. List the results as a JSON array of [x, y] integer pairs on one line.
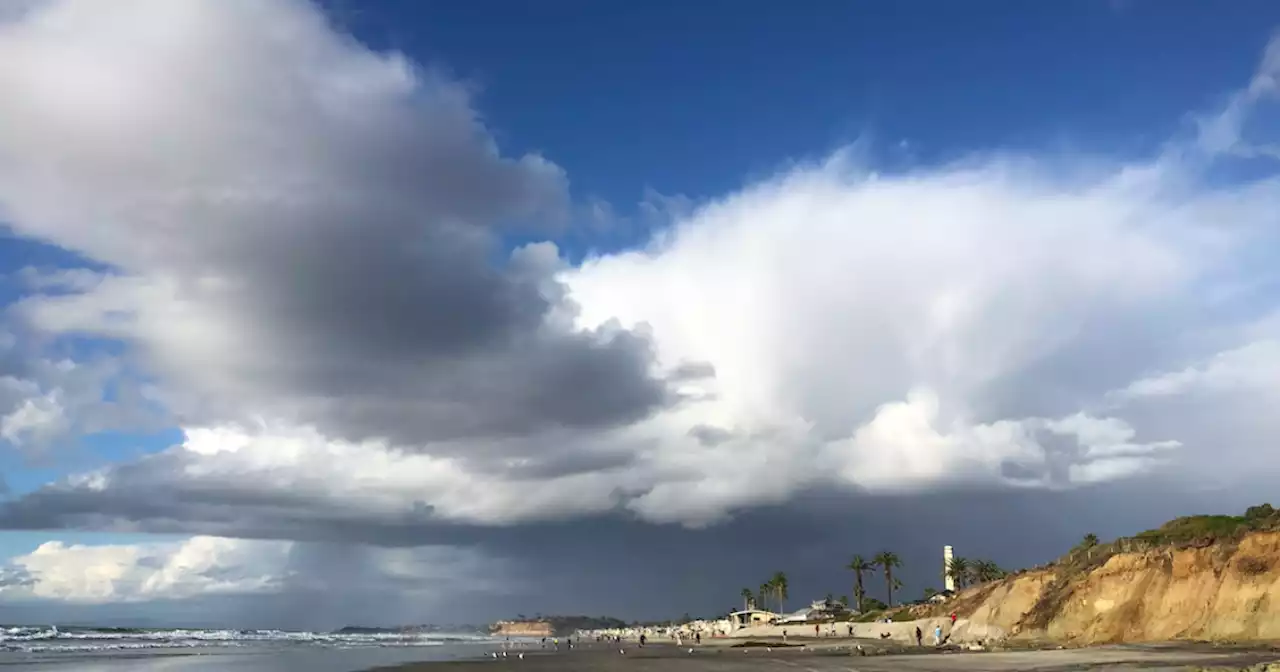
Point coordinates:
[[948, 581]]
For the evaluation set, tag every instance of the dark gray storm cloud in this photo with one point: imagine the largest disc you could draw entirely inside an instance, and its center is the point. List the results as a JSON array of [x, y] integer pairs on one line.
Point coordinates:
[[303, 247], [343, 269], [664, 571], [615, 564]]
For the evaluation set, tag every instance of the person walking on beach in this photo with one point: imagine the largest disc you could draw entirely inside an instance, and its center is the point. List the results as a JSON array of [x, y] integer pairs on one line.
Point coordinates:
[[697, 638], [919, 637], [784, 635], [937, 635], [643, 639]]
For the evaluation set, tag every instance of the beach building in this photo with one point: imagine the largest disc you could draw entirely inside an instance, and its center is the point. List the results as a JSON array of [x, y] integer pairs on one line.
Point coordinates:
[[938, 598], [828, 608], [749, 617], [796, 617], [818, 610]]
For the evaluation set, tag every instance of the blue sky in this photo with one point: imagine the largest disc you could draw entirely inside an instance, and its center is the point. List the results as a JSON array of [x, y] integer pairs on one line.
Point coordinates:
[[698, 98], [860, 320]]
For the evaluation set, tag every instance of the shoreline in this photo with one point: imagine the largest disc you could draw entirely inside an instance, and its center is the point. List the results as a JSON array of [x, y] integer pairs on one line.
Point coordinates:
[[817, 656]]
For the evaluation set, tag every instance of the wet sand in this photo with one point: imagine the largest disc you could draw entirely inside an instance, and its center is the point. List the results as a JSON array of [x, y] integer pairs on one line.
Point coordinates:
[[597, 658]]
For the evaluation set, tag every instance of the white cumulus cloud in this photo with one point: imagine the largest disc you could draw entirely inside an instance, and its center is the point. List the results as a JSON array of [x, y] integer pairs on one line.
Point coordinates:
[[210, 567], [303, 250], [161, 570]]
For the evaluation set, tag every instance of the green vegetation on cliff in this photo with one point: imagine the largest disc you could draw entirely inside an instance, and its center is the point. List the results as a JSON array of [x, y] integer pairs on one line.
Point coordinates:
[[1190, 529], [1202, 530]]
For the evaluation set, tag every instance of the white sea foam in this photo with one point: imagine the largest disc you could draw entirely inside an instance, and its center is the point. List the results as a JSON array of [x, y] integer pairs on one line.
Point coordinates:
[[53, 639]]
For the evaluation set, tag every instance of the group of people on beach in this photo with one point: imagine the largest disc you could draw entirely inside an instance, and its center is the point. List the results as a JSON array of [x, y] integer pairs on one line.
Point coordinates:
[[937, 636], [938, 639], [555, 642], [831, 631], [697, 639]]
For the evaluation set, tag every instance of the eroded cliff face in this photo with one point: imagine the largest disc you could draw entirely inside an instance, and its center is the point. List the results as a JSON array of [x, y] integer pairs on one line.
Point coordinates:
[[522, 629], [1218, 592]]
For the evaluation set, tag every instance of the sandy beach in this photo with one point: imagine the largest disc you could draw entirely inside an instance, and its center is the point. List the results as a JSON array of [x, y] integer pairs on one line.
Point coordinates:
[[821, 658]]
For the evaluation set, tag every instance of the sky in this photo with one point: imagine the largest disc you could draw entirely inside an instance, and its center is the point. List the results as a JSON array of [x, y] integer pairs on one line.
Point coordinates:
[[404, 312]]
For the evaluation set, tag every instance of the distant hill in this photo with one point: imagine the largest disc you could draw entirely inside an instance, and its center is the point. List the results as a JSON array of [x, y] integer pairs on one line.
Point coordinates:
[[362, 630]]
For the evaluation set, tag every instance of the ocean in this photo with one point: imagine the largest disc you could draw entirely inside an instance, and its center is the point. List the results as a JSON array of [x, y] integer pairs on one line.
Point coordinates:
[[56, 649]]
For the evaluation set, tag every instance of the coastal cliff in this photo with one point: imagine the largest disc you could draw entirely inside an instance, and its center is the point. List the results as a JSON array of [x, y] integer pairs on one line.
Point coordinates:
[[522, 629], [1137, 590], [553, 626]]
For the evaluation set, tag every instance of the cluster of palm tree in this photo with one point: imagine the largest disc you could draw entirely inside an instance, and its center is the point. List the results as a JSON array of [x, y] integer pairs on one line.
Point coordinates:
[[886, 561], [773, 591], [964, 571], [968, 572]]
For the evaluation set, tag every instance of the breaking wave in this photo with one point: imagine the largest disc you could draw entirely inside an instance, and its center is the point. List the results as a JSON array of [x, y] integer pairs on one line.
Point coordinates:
[[53, 639]]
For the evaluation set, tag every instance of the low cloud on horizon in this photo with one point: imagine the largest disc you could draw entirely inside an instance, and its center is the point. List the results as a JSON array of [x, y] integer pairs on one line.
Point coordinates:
[[296, 251]]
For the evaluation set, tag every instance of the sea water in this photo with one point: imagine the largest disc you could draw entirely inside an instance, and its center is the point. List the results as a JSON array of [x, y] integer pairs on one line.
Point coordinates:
[[55, 649]]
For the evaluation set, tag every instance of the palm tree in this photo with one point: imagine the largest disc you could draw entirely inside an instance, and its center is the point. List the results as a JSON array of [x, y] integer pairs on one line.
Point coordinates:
[[1087, 544], [959, 570], [766, 589], [748, 598], [858, 565], [888, 561], [986, 570], [779, 582]]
